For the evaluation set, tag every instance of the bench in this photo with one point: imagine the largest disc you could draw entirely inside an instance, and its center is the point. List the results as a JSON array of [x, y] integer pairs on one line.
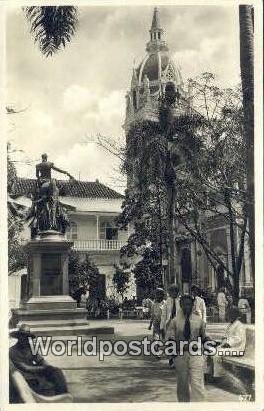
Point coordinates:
[[27, 395], [247, 361], [243, 367]]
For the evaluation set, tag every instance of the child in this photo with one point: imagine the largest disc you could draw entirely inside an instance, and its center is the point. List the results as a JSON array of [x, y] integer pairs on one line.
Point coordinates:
[[156, 310]]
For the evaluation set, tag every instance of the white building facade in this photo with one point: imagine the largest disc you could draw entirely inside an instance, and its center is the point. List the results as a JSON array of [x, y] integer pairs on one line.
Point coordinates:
[[93, 230]]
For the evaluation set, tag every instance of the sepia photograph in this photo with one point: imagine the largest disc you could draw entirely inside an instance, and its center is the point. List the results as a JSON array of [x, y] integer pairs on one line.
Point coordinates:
[[133, 270]]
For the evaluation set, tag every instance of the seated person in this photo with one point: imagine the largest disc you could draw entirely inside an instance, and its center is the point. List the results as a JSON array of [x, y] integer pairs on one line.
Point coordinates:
[[42, 378], [234, 343], [244, 308]]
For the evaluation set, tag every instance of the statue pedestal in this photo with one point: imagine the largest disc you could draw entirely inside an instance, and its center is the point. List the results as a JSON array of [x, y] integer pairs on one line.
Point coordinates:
[[49, 309]]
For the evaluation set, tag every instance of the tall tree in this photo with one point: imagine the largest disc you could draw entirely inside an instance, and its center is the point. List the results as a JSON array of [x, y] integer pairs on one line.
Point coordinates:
[[52, 27], [210, 170], [200, 155], [246, 24], [121, 281], [16, 255], [145, 204], [83, 273]]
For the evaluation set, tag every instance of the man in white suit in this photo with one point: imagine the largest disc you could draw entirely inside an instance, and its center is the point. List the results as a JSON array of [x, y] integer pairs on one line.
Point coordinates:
[[199, 306]]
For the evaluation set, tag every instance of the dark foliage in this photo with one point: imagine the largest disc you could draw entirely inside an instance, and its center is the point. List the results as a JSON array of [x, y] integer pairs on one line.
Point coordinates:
[[52, 27], [121, 280], [82, 272]]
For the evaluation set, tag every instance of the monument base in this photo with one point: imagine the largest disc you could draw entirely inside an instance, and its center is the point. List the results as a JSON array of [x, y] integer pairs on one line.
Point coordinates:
[[46, 315], [49, 302], [49, 310], [56, 316]]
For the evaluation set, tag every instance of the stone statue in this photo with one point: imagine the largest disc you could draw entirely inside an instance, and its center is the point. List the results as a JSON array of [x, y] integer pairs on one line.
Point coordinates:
[[43, 171], [47, 212]]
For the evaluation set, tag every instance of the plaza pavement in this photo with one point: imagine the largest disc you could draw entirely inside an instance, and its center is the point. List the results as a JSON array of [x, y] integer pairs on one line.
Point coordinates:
[[126, 378]]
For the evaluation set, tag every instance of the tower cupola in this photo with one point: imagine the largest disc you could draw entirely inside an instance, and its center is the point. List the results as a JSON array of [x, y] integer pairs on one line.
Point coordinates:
[[156, 31], [150, 77]]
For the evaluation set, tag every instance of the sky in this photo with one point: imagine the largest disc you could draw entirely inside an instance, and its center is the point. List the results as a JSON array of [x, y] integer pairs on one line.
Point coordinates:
[[80, 91]]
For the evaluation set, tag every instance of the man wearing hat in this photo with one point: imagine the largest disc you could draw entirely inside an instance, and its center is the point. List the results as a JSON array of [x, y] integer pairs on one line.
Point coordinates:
[[42, 378]]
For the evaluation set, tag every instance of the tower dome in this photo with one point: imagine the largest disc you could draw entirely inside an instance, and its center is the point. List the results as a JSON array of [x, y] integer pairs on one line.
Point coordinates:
[[159, 68], [157, 64], [150, 77]]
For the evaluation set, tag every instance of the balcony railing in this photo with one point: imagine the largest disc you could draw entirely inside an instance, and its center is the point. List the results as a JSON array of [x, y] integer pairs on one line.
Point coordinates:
[[97, 245]]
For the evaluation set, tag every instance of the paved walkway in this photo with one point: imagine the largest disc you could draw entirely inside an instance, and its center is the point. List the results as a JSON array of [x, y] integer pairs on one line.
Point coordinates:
[[127, 378]]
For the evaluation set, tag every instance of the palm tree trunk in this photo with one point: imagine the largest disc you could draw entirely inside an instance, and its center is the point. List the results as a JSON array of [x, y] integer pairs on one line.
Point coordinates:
[[171, 201], [247, 76]]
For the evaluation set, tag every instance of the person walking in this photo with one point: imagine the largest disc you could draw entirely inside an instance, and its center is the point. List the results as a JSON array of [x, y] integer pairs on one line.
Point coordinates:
[[187, 327], [170, 307], [145, 308], [169, 310], [156, 311], [222, 304], [199, 306]]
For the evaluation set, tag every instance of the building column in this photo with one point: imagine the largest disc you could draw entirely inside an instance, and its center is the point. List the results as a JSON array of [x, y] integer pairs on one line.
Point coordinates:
[[229, 257], [209, 266], [247, 264], [194, 262], [97, 228], [200, 266]]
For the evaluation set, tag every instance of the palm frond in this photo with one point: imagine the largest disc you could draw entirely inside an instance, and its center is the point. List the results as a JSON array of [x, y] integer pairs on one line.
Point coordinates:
[[52, 27]]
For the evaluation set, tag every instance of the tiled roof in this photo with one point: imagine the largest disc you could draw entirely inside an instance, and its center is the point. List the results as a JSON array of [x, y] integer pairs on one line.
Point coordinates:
[[84, 189]]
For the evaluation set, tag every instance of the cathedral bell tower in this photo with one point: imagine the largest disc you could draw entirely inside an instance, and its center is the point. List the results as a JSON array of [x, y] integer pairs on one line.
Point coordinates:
[[150, 77]]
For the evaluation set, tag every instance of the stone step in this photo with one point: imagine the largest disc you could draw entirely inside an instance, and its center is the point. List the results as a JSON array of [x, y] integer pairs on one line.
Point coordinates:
[[71, 330], [54, 323], [43, 316], [61, 311]]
